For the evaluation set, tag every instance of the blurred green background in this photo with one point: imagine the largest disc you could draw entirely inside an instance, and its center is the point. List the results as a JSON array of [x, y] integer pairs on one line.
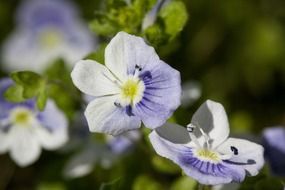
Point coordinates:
[[235, 50]]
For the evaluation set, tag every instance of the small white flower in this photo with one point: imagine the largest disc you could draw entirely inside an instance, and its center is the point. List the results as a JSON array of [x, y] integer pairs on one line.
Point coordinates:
[[24, 131], [204, 151]]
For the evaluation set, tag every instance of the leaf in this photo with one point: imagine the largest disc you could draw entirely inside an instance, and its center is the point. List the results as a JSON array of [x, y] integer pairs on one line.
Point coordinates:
[[14, 94], [30, 81], [42, 100], [184, 183], [144, 182], [164, 165], [174, 16]]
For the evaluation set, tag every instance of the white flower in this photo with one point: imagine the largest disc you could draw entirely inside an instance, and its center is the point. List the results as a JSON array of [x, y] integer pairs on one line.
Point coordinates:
[[24, 131], [46, 30], [204, 151], [134, 86]]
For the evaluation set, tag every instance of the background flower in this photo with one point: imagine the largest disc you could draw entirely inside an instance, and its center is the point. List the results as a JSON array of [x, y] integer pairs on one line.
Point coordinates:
[[24, 130], [46, 30]]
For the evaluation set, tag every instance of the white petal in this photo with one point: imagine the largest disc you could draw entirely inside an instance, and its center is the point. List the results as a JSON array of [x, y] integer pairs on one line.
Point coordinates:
[[94, 79], [52, 131], [248, 152], [173, 133], [125, 51], [212, 118], [4, 142], [25, 148], [81, 164], [103, 116]]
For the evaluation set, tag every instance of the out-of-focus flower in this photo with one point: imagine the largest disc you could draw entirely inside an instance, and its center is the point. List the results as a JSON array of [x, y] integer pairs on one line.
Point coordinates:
[[134, 86], [46, 30], [104, 154], [274, 144], [207, 154], [191, 91], [24, 130]]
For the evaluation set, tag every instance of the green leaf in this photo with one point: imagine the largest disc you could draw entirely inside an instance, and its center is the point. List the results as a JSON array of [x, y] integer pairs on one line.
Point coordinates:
[[184, 183], [42, 100], [27, 78], [146, 183], [174, 16], [30, 81], [164, 165], [103, 26], [14, 94]]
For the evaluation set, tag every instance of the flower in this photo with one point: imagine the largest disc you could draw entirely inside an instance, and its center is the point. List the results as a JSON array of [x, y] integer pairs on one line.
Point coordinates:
[[105, 153], [206, 153], [46, 30], [134, 86], [24, 129], [274, 144]]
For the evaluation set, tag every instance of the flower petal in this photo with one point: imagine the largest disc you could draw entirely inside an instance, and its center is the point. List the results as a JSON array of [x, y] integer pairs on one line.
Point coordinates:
[[104, 116], [25, 148], [52, 132], [4, 141], [248, 155], [212, 118], [94, 79], [82, 163], [161, 96], [125, 51], [204, 172], [274, 141]]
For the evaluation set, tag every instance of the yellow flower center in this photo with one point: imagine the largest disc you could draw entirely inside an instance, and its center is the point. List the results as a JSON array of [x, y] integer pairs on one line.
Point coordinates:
[[49, 38], [132, 91], [21, 116], [208, 155]]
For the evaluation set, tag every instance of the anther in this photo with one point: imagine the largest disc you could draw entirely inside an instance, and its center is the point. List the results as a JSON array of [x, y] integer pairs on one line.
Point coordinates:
[[190, 128], [117, 104], [138, 68], [234, 150]]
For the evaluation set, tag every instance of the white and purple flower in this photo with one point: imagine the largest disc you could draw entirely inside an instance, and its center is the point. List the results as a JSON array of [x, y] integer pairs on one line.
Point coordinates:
[[274, 144], [206, 153], [24, 130], [46, 30], [134, 86]]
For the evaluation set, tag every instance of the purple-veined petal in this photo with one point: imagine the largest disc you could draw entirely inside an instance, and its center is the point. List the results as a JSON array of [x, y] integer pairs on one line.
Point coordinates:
[[25, 148], [104, 116], [246, 154], [182, 155], [125, 51], [161, 96], [52, 130], [212, 118], [94, 79]]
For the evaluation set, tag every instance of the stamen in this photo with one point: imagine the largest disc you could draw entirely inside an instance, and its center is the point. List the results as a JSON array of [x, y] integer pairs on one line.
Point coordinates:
[[205, 135], [116, 82], [138, 69], [117, 104], [190, 129]]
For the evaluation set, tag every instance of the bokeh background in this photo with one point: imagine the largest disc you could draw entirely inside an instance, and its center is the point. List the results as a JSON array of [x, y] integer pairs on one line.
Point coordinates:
[[231, 51]]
